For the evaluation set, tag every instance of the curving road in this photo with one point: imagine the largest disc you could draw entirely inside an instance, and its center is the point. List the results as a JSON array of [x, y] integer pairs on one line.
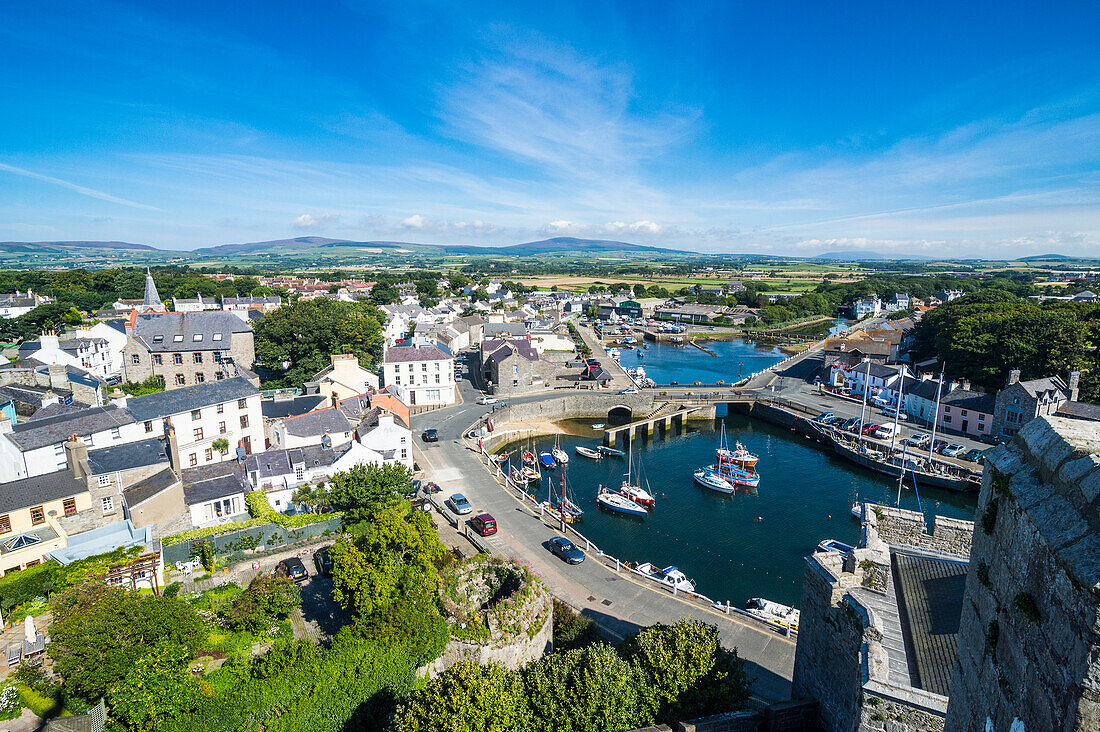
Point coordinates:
[[619, 603]]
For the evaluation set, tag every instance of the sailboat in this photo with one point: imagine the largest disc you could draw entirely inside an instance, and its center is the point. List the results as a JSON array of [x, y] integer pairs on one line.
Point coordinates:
[[560, 455], [560, 505], [632, 491], [619, 503], [713, 481]]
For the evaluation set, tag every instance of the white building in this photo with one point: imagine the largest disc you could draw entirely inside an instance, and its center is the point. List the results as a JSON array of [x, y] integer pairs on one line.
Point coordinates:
[[421, 375], [14, 304], [91, 354], [345, 378], [326, 427], [868, 306], [198, 305], [900, 301]]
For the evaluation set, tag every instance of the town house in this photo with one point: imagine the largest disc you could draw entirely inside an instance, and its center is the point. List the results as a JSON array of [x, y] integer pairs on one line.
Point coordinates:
[[421, 375], [186, 348]]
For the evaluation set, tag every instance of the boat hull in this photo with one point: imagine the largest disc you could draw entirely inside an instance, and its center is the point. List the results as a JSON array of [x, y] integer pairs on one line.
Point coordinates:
[[718, 485], [947, 482], [588, 453], [621, 506]]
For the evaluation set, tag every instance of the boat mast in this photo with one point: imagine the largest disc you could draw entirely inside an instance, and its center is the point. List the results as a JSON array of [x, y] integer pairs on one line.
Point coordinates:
[[866, 388], [897, 412], [935, 416]]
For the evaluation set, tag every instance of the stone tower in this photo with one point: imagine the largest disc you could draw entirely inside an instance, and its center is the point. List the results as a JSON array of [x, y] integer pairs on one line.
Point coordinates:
[[152, 298], [1029, 635]]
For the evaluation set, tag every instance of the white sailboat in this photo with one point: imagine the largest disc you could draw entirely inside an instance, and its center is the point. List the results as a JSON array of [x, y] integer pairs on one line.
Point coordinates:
[[631, 490], [560, 455]]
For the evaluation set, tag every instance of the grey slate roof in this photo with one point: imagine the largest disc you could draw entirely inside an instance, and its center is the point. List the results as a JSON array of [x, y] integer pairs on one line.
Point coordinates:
[[126, 457], [280, 408], [925, 389], [217, 480], [51, 430], [145, 489], [322, 421], [1080, 410], [31, 395], [275, 463], [492, 330], [176, 401], [403, 354], [187, 325], [39, 489], [250, 301], [1050, 386], [930, 598], [970, 400], [500, 350]]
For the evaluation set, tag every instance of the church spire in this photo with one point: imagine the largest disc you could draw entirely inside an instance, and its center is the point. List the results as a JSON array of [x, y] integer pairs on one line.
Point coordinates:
[[152, 299]]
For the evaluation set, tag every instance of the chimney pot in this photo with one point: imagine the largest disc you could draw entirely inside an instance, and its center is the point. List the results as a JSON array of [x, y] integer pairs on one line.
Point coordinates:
[[1013, 377]]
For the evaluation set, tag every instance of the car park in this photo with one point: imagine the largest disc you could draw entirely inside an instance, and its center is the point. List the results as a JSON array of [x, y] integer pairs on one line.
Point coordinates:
[[484, 524], [824, 416], [293, 568], [918, 439], [850, 425], [953, 450], [430, 435], [323, 559], [870, 428], [459, 504], [974, 456], [566, 550], [487, 400]]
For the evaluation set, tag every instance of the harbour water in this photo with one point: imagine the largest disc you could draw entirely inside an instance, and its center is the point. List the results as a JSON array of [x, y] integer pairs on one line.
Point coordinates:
[[750, 544], [665, 363]]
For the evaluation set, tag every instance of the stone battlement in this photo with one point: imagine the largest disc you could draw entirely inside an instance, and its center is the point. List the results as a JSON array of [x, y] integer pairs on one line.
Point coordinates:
[[904, 528]]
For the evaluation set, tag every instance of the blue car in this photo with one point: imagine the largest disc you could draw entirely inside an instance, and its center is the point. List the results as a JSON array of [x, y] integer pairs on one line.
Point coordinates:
[[566, 550], [459, 504]]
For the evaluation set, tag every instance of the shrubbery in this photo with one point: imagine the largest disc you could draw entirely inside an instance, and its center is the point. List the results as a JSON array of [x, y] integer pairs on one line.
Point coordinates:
[[267, 599]]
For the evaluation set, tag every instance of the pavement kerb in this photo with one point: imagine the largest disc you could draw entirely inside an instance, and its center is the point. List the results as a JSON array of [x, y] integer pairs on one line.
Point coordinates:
[[627, 576]]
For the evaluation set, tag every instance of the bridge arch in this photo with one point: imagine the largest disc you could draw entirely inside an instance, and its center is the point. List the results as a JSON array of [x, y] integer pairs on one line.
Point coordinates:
[[620, 414]]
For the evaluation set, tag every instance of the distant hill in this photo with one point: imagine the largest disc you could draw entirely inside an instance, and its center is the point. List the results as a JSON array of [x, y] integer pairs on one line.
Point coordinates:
[[1047, 258], [254, 247], [45, 246], [559, 245]]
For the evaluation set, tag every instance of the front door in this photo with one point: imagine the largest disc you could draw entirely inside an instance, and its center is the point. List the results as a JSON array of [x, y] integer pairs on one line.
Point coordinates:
[[964, 424], [247, 442]]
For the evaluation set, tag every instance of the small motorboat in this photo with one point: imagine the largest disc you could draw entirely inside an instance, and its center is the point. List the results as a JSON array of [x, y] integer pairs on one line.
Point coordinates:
[[713, 481], [857, 508], [500, 459], [546, 460], [528, 457], [588, 452], [669, 576], [740, 456], [611, 451], [619, 503], [637, 494], [774, 612], [599, 425], [530, 474], [832, 545]]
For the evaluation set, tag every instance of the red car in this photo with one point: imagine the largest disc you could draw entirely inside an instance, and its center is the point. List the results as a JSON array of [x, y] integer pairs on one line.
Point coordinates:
[[484, 524], [870, 428]]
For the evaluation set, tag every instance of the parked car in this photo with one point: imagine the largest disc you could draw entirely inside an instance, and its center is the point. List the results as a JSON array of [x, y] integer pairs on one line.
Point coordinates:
[[430, 435], [850, 425], [938, 445], [484, 524], [487, 400], [323, 559], [869, 428], [892, 412], [629, 390], [293, 568], [566, 550], [953, 450], [918, 439], [458, 503], [824, 416], [886, 431], [974, 456]]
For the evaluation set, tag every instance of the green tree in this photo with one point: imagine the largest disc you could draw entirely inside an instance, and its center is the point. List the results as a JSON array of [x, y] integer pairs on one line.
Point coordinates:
[[688, 670], [467, 697], [363, 490], [157, 690], [99, 632], [587, 689], [297, 340], [267, 598], [384, 293]]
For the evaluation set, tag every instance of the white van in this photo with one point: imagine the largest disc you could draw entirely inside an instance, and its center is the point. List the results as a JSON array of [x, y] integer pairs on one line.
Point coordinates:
[[885, 432]]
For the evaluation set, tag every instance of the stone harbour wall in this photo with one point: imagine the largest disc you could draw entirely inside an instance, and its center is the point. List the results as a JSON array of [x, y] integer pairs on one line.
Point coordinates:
[[1029, 640], [889, 716], [908, 528]]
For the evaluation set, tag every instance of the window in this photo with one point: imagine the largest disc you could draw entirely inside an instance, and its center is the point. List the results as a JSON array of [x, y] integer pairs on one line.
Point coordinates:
[[198, 433], [197, 356], [397, 380], [221, 428], [158, 360], [59, 450], [218, 376], [5, 524], [196, 338], [38, 515], [515, 368], [299, 473], [437, 378], [69, 506], [193, 458], [981, 417], [244, 421], [108, 503], [410, 368], [404, 453], [217, 356], [220, 409], [962, 413], [135, 359], [105, 480], [947, 419], [209, 454], [242, 404], [149, 427], [177, 339], [217, 337], [180, 380], [423, 367], [177, 358], [116, 433], [158, 339], [196, 414], [200, 378]]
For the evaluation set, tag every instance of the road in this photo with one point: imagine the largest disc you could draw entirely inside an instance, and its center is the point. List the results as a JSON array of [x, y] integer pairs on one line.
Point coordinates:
[[615, 601]]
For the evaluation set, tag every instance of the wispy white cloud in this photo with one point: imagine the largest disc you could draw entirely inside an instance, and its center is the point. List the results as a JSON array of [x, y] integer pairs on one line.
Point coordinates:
[[82, 190], [311, 221]]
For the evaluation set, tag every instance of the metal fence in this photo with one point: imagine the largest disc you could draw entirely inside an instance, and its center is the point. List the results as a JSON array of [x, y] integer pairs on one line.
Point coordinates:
[[258, 540], [618, 565]]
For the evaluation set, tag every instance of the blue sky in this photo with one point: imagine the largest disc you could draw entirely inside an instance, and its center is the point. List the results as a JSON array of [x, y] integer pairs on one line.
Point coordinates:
[[795, 128]]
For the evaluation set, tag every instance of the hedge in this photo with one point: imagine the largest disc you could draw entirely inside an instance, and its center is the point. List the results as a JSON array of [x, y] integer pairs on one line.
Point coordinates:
[[262, 513], [43, 579]]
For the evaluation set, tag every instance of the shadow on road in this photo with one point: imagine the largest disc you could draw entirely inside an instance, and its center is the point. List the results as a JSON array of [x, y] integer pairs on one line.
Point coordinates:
[[319, 608]]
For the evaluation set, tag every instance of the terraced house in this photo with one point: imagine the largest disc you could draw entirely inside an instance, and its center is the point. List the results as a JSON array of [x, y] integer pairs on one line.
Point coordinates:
[[187, 348]]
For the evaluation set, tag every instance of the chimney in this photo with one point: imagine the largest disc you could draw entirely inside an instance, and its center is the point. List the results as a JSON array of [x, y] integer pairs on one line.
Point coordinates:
[[964, 384], [59, 377], [1013, 377], [76, 457], [173, 446], [1074, 385]]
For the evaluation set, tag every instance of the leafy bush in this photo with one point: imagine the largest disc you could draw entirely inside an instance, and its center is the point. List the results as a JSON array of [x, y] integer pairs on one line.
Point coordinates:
[[151, 385], [467, 697], [572, 630], [267, 599], [417, 621], [10, 706], [157, 690]]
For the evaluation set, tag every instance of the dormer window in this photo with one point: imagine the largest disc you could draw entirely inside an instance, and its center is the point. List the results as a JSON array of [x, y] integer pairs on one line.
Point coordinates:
[[197, 337], [217, 336], [158, 339], [177, 339]]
